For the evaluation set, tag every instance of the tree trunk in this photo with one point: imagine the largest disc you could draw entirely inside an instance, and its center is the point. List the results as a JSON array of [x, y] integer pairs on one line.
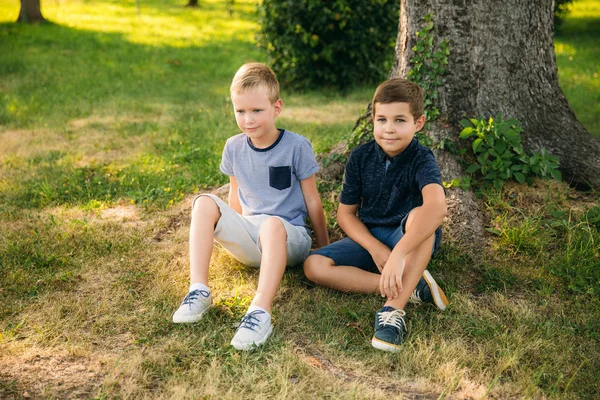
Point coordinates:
[[502, 61], [192, 3], [30, 12]]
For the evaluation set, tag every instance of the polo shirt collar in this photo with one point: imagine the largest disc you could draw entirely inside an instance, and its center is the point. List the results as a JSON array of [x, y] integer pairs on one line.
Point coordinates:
[[381, 156]]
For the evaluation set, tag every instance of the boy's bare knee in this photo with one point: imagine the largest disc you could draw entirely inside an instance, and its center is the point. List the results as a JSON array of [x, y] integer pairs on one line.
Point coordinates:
[[315, 266], [272, 227], [207, 207]]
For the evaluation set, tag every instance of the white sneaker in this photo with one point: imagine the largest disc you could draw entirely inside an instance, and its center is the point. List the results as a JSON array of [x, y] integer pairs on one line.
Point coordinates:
[[194, 306], [253, 331]]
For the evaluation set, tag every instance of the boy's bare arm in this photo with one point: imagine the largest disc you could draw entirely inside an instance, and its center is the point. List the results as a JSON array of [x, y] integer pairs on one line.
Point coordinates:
[[357, 231], [233, 199], [426, 220], [314, 207]]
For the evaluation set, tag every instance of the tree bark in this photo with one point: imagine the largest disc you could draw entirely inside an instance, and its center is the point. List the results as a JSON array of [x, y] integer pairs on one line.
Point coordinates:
[[30, 12], [502, 61]]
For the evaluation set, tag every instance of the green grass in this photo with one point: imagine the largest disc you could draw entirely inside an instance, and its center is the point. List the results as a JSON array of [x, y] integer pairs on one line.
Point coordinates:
[[110, 121], [577, 48]]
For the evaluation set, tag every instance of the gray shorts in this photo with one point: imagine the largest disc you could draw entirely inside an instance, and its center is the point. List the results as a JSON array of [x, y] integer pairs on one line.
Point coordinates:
[[238, 234]]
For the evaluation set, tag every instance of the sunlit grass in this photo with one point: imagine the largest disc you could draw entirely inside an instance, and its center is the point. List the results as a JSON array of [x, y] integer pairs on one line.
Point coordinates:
[[577, 48], [157, 23]]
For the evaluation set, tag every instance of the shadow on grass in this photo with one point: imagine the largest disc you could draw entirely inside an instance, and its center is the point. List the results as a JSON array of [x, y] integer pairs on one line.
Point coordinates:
[[57, 73]]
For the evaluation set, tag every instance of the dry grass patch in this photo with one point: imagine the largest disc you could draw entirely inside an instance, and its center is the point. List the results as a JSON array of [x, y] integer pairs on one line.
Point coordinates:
[[24, 143], [43, 373]]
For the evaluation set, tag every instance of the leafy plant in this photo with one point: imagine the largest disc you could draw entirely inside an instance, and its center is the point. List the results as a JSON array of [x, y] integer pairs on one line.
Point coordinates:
[[339, 44], [428, 66], [499, 155]]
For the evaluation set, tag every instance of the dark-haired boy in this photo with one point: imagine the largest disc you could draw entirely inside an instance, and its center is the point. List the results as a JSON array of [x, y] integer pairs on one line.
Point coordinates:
[[391, 207]]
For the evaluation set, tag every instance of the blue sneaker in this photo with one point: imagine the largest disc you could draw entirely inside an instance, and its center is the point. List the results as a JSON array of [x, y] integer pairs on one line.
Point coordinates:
[[428, 291], [389, 329]]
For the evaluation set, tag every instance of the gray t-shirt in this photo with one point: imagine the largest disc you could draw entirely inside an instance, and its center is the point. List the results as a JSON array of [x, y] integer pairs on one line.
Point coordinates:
[[269, 179]]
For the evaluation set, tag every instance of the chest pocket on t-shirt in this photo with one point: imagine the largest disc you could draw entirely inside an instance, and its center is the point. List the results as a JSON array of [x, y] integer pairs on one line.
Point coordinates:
[[280, 177]]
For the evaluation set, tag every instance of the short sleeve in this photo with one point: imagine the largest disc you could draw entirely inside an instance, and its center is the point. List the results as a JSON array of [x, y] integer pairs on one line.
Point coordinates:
[[351, 188], [428, 170], [305, 162], [226, 164]]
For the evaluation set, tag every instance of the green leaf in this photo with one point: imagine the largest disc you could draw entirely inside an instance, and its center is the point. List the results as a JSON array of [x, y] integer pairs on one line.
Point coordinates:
[[465, 133], [476, 144], [520, 177], [556, 174], [472, 168], [500, 147], [498, 184], [465, 123]]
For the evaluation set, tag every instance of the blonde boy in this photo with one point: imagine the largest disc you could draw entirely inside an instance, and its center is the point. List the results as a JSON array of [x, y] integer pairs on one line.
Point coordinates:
[[272, 191], [391, 207]]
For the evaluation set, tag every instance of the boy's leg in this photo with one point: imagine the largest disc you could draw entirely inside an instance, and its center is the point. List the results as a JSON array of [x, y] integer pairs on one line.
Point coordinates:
[[322, 270], [272, 238], [205, 215], [281, 244], [389, 321]]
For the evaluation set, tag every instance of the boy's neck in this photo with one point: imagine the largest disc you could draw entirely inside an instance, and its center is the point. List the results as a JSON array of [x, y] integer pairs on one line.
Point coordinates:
[[266, 140]]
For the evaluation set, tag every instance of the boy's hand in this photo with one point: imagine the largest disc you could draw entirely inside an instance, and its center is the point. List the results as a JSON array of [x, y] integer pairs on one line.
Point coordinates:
[[390, 283], [380, 256]]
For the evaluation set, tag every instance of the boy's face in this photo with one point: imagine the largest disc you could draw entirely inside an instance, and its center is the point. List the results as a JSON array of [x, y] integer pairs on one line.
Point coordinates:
[[255, 115], [394, 127]]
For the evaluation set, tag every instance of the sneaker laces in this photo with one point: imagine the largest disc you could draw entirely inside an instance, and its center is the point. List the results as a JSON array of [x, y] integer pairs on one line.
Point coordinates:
[[416, 296], [393, 318], [193, 295], [248, 320]]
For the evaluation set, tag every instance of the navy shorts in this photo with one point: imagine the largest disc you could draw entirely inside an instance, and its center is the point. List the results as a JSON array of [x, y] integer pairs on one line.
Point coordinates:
[[348, 252]]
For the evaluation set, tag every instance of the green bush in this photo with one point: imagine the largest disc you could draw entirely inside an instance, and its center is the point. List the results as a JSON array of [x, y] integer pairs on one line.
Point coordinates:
[[337, 44]]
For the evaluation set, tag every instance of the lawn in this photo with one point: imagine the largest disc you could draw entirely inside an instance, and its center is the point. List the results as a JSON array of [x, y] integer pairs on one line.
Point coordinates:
[[111, 120]]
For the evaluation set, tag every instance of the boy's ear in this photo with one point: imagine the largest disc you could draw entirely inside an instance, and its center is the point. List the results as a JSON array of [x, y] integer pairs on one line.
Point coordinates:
[[420, 122], [278, 106]]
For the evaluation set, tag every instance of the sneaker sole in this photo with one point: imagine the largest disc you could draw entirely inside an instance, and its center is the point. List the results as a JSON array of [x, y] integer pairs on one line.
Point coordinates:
[[439, 297], [250, 346], [188, 319], [381, 345]]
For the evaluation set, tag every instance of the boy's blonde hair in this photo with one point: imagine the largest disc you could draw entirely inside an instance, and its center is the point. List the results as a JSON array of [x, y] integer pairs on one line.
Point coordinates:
[[256, 75], [398, 90]]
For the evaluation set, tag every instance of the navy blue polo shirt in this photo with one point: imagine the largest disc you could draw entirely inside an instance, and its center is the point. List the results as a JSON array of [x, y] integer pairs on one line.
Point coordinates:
[[387, 189]]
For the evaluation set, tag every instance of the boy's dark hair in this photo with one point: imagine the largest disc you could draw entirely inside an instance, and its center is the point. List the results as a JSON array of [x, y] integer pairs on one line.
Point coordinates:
[[398, 90], [256, 75]]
